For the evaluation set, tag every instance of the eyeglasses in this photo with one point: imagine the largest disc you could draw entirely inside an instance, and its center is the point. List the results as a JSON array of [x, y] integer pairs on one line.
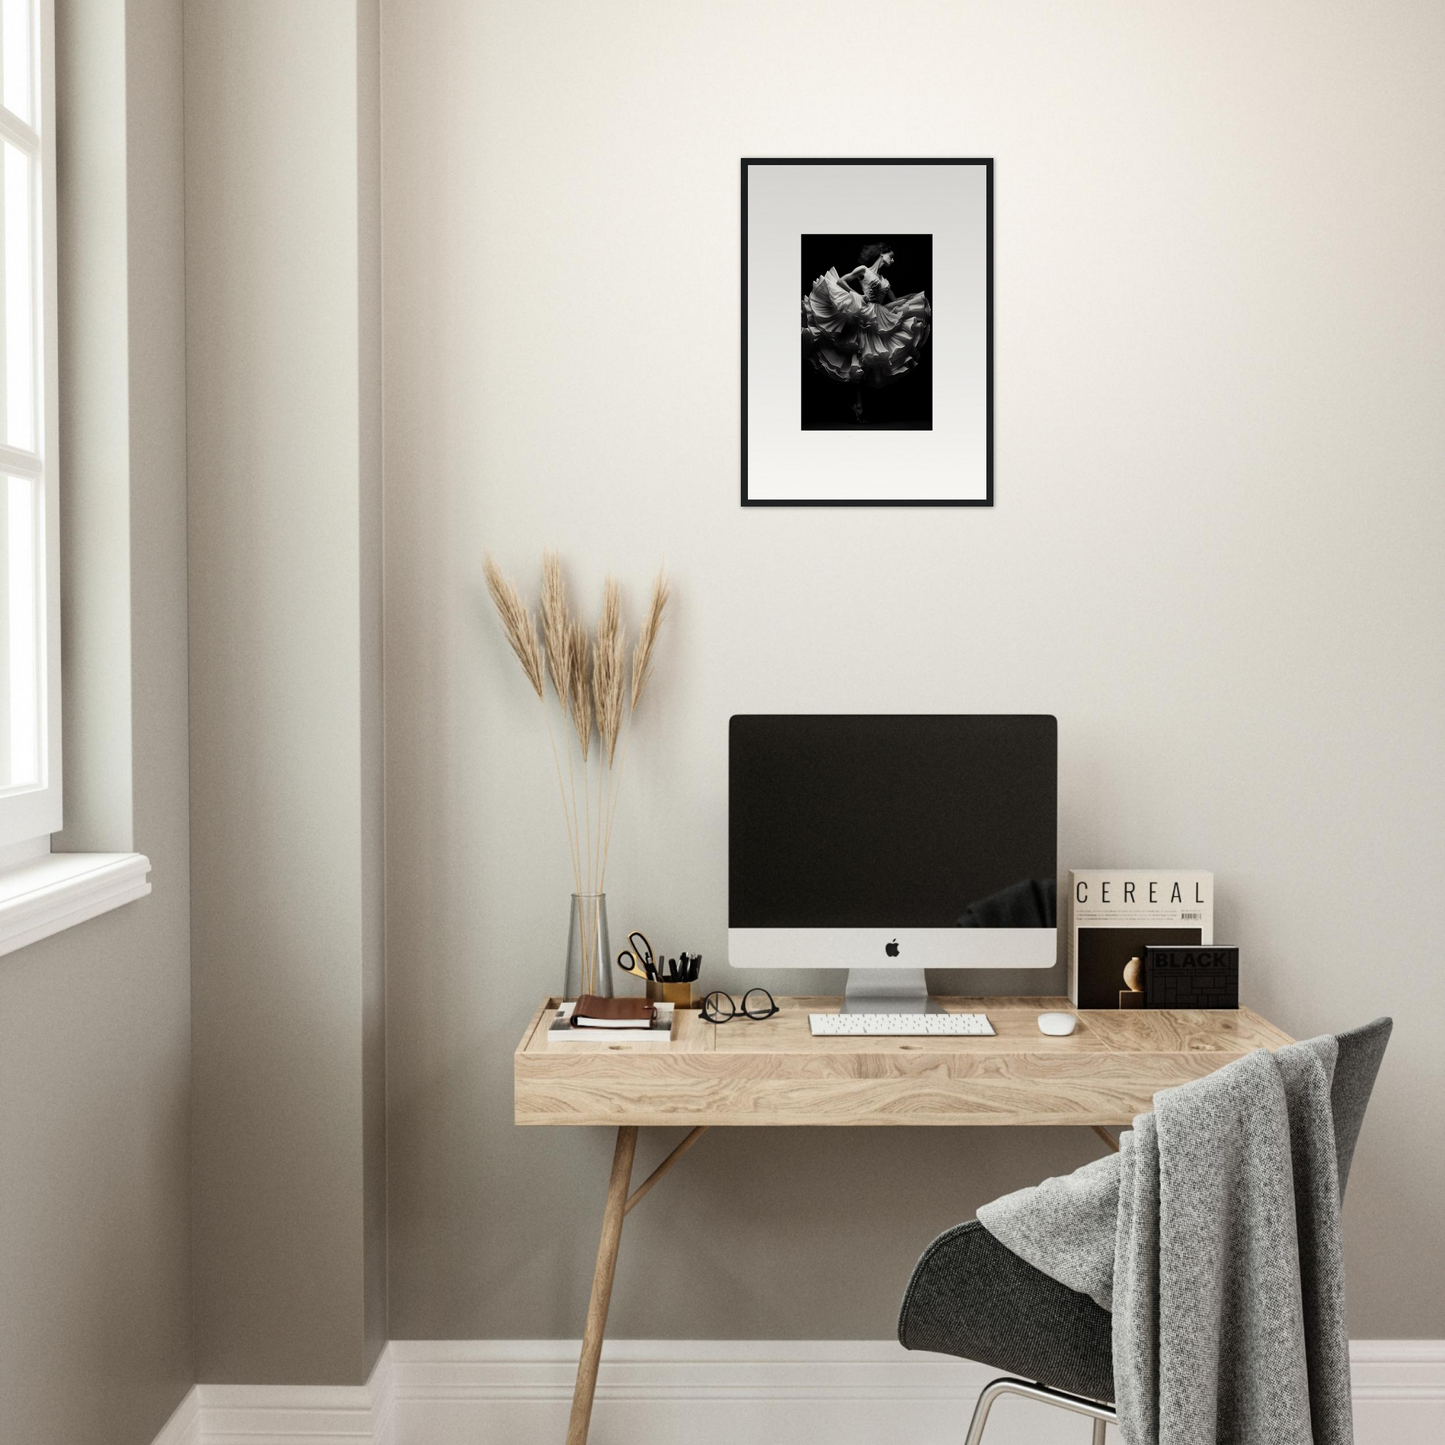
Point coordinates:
[[719, 1008]]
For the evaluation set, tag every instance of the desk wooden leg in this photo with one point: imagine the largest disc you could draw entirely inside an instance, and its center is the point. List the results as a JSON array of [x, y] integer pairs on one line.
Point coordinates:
[[612, 1217], [640, 1193]]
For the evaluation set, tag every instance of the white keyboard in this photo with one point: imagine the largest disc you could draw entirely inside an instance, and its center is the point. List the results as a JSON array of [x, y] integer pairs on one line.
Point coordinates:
[[912, 1026]]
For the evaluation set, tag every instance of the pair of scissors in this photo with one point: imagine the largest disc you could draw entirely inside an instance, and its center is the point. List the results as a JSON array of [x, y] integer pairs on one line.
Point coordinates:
[[637, 958]]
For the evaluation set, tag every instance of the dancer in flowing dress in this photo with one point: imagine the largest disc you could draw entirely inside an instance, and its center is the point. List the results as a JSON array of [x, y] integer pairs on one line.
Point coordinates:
[[857, 333]]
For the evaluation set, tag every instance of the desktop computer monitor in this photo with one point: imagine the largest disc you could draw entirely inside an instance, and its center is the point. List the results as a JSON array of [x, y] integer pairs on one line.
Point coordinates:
[[890, 844]]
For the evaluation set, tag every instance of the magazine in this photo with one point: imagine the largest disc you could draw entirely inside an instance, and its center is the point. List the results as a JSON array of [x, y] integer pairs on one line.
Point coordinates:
[[1115, 912]]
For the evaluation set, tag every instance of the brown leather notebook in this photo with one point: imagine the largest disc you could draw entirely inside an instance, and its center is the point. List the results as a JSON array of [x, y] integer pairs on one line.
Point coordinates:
[[593, 1012]]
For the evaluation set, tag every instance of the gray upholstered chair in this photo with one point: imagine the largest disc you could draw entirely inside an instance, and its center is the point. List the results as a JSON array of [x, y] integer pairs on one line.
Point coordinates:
[[972, 1297]]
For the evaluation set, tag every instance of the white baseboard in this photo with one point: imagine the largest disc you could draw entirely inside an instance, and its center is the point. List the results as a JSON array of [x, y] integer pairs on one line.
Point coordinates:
[[300, 1414], [713, 1392], [288, 1414]]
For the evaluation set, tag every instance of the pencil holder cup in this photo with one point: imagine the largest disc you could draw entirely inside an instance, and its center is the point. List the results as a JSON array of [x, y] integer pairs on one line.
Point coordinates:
[[679, 994]]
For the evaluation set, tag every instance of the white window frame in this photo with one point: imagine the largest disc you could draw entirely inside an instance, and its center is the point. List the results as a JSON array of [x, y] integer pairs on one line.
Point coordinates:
[[42, 892], [29, 815]]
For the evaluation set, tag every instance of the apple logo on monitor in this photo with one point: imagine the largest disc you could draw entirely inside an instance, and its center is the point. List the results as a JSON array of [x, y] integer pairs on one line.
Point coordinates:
[[891, 949]]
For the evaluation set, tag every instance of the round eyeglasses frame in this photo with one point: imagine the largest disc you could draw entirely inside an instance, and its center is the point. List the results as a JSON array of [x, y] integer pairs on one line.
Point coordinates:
[[719, 1008]]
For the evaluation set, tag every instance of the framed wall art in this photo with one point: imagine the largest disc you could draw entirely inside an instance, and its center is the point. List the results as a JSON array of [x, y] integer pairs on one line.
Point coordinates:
[[867, 332]]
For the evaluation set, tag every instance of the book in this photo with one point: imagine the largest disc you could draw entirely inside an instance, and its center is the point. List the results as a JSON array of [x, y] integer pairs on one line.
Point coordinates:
[[593, 1012], [1188, 977], [562, 1032], [1115, 913]]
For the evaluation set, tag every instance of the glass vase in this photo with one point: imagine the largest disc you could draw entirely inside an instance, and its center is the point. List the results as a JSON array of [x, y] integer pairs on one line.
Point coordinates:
[[589, 952]]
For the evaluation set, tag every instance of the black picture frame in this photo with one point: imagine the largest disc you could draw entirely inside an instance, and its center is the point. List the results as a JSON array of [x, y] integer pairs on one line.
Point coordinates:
[[986, 162]]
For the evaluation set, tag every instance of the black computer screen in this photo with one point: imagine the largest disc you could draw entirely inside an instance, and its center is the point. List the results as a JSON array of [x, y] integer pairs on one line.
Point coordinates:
[[931, 821]]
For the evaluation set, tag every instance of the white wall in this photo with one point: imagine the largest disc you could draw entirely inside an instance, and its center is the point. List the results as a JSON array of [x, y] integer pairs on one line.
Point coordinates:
[[1215, 555]]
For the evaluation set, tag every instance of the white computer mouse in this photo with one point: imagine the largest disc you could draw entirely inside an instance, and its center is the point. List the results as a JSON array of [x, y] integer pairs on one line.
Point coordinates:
[[1058, 1024]]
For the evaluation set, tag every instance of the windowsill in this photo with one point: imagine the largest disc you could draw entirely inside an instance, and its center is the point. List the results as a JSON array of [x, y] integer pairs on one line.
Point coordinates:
[[60, 890]]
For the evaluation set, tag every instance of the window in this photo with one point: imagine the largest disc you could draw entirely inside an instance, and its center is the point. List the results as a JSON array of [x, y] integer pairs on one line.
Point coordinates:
[[41, 892], [30, 797]]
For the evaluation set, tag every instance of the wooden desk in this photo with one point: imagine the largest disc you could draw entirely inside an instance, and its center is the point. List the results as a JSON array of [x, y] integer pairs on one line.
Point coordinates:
[[769, 1072]]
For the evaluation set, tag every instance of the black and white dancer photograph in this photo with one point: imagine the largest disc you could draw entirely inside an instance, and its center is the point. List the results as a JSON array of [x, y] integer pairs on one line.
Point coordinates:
[[867, 332], [867, 324]]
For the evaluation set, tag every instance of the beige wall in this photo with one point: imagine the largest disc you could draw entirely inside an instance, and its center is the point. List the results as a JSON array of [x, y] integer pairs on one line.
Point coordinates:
[[95, 1340], [369, 623], [1215, 555], [282, 320]]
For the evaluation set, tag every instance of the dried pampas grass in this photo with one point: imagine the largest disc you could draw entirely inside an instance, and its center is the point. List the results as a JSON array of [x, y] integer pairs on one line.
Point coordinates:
[[555, 633], [647, 637], [579, 685], [589, 681], [516, 622], [609, 670]]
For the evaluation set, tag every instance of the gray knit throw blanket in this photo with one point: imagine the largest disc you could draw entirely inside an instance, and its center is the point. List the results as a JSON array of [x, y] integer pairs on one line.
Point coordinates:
[[1214, 1237]]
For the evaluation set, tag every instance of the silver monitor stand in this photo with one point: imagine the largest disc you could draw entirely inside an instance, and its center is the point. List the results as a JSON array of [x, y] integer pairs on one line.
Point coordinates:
[[887, 991]]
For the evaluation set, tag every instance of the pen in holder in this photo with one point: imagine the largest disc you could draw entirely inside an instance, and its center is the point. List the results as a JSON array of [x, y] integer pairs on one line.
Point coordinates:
[[675, 985], [667, 980]]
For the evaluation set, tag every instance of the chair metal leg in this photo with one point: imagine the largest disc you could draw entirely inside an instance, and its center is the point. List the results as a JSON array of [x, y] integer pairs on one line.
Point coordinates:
[[1100, 1414], [980, 1411]]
